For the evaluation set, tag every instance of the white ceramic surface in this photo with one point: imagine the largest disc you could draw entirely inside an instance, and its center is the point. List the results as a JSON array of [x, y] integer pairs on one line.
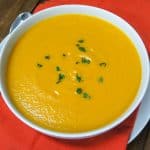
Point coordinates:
[[143, 116], [88, 10]]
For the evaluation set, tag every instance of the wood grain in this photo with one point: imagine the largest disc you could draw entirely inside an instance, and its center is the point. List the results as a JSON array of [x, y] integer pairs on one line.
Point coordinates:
[[142, 141], [9, 9], [147, 139]]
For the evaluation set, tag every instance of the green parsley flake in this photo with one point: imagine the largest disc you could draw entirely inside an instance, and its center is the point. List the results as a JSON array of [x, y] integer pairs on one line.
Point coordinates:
[[47, 57], [60, 77], [78, 78], [82, 49], [79, 90], [77, 62], [86, 95], [39, 65], [78, 45], [101, 79], [102, 64], [81, 41], [64, 54], [58, 68], [85, 60]]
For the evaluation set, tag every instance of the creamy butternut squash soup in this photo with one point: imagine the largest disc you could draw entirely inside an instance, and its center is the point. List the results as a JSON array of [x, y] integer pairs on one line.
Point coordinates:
[[73, 73]]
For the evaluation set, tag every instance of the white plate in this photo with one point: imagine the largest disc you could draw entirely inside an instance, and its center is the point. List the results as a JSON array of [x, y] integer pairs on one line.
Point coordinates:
[[143, 115]]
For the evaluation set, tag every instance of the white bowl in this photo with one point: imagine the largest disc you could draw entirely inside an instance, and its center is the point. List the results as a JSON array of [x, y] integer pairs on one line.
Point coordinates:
[[75, 9]]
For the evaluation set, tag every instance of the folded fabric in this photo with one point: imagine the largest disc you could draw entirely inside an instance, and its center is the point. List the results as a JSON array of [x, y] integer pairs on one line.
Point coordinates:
[[15, 135]]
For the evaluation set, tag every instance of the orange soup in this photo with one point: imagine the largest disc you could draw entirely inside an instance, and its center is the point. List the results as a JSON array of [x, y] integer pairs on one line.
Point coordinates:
[[73, 73]]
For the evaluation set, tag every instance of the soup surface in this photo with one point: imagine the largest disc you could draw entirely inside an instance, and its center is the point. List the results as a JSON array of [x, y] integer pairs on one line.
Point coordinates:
[[73, 73]]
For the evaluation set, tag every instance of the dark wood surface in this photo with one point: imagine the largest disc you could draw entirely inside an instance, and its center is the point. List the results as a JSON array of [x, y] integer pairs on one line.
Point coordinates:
[[9, 9]]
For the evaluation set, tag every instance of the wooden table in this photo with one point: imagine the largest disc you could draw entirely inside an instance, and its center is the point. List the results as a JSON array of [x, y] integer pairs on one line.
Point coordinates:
[[9, 9]]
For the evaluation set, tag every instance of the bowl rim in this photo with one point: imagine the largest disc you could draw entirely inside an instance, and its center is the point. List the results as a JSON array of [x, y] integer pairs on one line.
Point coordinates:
[[85, 134]]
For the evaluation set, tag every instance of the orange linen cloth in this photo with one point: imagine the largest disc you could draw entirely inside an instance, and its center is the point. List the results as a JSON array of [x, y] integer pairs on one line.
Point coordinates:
[[15, 135]]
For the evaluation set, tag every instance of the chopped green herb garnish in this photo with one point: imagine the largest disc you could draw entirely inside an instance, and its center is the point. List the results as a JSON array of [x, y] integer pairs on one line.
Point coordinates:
[[102, 64], [58, 68], [77, 62], [79, 90], [101, 79], [77, 45], [78, 78], [39, 65], [83, 49], [80, 41], [64, 54], [85, 60], [47, 57], [86, 95], [60, 78]]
